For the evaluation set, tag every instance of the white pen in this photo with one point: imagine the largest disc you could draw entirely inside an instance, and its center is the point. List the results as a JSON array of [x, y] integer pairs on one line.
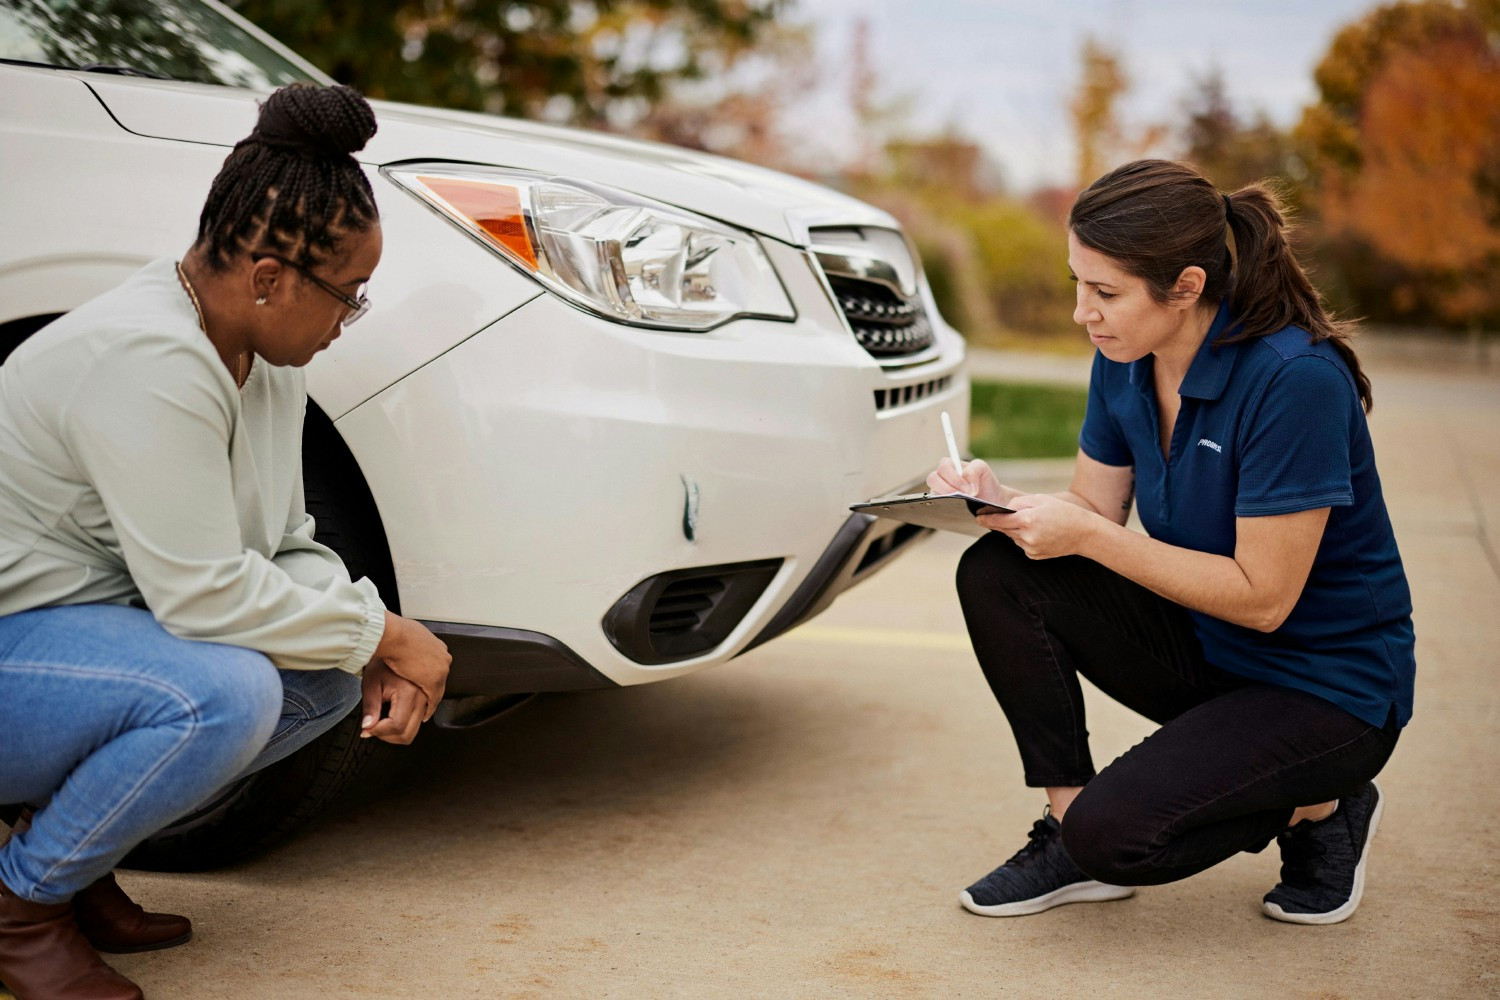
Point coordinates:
[[958, 463]]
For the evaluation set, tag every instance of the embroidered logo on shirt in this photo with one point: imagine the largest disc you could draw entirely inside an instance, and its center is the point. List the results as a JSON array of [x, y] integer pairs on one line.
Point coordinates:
[[1206, 443]]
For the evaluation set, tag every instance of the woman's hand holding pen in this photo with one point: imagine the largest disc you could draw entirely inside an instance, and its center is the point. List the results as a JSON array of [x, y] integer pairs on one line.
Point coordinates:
[[972, 478], [1043, 526]]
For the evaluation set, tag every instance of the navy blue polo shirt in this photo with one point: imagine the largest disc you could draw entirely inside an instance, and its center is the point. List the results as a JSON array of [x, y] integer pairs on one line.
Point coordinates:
[[1272, 425]]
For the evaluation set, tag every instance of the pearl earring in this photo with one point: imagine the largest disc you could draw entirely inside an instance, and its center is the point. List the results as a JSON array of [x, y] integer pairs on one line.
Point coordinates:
[[261, 301]]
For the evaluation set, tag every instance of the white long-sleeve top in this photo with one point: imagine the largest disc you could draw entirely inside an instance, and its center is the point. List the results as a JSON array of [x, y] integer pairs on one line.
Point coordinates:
[[132, 471]]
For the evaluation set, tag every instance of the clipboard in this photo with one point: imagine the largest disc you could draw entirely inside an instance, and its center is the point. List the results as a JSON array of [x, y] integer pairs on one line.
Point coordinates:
[[943, 511]]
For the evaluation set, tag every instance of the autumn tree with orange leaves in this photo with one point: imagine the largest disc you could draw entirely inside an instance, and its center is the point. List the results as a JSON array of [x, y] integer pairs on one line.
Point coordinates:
[[1404, 147]]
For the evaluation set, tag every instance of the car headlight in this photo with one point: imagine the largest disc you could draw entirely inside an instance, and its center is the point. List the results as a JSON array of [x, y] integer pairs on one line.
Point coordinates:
[[625, 258]]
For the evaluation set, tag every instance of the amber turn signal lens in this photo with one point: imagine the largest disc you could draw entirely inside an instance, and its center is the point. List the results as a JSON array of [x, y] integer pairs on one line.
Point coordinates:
[[494, 209]]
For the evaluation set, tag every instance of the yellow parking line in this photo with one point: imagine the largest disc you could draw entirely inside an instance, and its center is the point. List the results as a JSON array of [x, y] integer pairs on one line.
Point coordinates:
[[908, 639]]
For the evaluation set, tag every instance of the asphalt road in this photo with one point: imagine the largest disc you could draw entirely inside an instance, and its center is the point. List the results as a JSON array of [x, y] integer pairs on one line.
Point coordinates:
[[798, 823]]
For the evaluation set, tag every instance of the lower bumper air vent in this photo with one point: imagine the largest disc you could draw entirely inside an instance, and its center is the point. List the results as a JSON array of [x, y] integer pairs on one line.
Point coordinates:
[[686, 612], [889, 399]]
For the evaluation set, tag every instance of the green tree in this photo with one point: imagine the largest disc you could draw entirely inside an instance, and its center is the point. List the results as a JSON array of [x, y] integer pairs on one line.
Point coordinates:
[[590, 62], [1229, 150], [1025, 258], [118, 32]]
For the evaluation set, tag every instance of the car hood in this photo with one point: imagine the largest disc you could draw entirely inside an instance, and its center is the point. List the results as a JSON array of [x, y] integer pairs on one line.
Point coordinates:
[[765, 201]]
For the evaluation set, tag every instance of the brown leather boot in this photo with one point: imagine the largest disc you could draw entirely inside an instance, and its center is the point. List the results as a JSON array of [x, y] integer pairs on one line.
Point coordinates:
[[114, 922], [44, 957], [117, 924]]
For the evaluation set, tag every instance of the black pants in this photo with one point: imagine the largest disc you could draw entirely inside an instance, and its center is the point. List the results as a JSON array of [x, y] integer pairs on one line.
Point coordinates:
[[1231, 760]]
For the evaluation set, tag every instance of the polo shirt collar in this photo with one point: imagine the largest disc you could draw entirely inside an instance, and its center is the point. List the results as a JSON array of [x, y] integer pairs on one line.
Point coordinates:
[[1207, 375]]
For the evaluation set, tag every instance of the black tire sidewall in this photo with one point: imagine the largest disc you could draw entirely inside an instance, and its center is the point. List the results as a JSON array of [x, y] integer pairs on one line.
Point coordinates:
[[260, 809]]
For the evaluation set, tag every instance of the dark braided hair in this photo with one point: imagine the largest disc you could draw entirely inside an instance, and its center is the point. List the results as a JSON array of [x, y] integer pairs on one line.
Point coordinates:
[[293, 187]]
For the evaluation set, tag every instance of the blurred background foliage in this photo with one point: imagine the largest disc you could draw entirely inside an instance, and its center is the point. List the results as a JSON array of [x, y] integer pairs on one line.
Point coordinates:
[[596, 63], [1394, 171]]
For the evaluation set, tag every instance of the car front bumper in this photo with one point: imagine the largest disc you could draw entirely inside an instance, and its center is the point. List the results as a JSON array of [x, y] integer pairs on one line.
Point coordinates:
[[537, 472], [494, 660]]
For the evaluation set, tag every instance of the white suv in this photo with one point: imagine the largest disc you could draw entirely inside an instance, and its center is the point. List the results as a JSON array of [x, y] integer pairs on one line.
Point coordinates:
[[605, 419]]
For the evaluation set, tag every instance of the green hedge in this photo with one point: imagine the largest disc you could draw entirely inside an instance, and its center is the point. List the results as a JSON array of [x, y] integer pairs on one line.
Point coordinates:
[[1016, 420]]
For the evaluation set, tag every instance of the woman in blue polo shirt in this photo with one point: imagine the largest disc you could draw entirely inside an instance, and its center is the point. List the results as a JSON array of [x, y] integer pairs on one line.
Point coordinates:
[[1264, 621]]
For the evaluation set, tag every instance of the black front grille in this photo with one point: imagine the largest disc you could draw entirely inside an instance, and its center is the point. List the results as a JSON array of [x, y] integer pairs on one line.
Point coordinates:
[[876, 280], [885, 323]]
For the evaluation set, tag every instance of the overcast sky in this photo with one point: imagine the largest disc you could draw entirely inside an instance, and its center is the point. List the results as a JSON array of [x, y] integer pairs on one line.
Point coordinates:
[[1003, 70]]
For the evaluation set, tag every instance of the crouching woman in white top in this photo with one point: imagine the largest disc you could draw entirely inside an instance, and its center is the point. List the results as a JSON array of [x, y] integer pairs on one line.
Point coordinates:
[[167, 622]]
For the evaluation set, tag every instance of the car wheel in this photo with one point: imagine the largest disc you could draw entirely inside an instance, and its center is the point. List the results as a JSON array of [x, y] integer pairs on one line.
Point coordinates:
[[256, 812]]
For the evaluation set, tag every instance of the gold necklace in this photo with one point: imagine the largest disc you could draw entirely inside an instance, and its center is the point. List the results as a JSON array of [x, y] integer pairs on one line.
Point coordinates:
[[239, 359]]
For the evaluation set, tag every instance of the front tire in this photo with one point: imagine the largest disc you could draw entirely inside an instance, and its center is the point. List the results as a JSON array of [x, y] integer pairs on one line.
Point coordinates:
[[260, 810]]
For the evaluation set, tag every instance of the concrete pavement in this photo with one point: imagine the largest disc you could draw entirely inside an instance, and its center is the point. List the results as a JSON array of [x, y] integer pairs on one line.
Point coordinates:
[[798, 823]]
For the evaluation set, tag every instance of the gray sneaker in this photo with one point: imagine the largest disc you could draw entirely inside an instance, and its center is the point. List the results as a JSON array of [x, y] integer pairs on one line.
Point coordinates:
[[1038, 877], [1323, 863]]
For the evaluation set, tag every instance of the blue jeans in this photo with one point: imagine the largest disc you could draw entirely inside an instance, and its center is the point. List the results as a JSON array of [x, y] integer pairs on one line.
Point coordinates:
[[115, 728]]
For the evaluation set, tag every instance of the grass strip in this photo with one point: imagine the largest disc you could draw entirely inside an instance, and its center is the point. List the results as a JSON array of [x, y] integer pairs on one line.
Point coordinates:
[[1025, 420]]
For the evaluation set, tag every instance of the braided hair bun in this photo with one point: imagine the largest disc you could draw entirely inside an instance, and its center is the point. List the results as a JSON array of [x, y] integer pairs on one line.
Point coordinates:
[[320, 121], [292, 187]]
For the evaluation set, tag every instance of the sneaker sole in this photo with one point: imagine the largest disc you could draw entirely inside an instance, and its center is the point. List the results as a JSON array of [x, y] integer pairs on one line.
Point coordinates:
[[1275, 912], [1078, 892]]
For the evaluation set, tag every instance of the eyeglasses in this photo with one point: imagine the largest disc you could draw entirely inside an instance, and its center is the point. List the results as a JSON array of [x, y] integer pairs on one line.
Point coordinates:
[[357, 306]]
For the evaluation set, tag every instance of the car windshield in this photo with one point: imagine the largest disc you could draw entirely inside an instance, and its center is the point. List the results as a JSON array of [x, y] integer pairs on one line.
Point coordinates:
[[173, 39]]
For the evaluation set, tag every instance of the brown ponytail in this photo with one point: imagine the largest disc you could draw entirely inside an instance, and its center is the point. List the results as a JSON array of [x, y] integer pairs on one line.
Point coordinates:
[[1156, 218]]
